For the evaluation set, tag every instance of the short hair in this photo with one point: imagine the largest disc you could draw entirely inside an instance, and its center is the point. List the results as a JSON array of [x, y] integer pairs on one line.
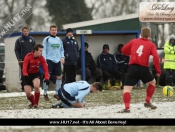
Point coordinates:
[[145, 32], [25, 28], [37, 46], [97, 85], [53, 26]]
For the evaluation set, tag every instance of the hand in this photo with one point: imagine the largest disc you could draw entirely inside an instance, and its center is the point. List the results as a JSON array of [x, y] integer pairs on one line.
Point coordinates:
[[78, 105], [62, 60], [158, 74], [46, 81]]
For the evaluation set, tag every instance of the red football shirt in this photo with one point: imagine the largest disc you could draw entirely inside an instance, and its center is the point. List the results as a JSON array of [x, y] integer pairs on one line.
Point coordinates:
[[140, 51], [31, 65]]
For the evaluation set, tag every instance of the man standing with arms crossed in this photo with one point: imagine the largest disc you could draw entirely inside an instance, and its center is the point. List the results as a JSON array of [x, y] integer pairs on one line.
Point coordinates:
[[53, 52], [23, 46], [139, 51]]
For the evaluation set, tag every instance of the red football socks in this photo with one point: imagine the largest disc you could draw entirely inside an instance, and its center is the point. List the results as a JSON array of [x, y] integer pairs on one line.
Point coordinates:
[[149, 93], [127, 99], [32, 99], [37, 96]]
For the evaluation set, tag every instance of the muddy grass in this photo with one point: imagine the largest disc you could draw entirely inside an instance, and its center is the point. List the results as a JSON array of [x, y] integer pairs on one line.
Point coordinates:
[[107, 97]]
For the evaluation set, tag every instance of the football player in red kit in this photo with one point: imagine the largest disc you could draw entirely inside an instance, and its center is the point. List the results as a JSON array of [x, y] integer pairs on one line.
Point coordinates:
[[31, 74], [140, 51]]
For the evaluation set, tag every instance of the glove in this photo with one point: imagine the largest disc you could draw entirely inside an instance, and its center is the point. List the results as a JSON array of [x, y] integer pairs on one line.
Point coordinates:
[[46, 81]]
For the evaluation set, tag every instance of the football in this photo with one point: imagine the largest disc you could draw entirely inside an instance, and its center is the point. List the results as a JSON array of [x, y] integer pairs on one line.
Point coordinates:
[[168, 91]]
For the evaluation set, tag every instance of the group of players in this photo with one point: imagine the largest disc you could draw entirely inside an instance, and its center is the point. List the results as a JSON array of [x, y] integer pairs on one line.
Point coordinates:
[[50, 56]]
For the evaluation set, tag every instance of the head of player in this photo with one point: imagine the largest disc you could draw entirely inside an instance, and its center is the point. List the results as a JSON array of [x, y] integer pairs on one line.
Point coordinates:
[[53, 30], [145, 33], [95, 87], [37, 50]]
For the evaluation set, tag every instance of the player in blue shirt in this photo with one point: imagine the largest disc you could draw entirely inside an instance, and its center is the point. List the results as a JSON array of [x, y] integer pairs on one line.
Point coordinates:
[[72, 95], [53, 52]]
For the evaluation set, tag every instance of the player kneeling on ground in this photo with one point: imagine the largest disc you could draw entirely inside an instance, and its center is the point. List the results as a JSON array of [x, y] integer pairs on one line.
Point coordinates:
[[31, 74], [72, 95], [139, 51]]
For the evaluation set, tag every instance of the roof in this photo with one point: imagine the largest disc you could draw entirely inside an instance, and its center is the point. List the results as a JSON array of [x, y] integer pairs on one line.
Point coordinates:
[[101, 21]]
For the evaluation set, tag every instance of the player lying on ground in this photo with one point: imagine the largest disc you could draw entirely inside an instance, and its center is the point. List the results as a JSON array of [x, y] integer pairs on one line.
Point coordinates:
[[31, 74], [72, 95], [139, 51]]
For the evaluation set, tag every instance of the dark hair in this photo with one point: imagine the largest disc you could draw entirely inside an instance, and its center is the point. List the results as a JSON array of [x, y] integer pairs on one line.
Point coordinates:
[[25, 28], [69, 30], [97, 85], [120, 47], [86, 44], [37, 46], [53, 26]]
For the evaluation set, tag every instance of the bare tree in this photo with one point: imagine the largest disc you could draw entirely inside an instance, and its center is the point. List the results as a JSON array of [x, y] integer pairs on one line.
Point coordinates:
[[33, 18]]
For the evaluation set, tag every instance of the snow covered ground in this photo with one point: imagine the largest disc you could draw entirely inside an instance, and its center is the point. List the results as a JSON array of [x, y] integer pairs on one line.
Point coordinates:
[[109, 111], [105, 111]]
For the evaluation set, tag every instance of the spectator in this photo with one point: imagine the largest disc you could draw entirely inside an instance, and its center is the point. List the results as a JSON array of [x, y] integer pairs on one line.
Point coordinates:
[[108, 66], [71, 56], [23, 46], [122, 62], [53, 52], [169, 63], [91, 68]]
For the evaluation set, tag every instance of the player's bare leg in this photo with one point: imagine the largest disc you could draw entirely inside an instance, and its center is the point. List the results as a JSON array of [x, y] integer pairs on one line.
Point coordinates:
[[126, 99], [29, 95], [149, 93], [36, 83]]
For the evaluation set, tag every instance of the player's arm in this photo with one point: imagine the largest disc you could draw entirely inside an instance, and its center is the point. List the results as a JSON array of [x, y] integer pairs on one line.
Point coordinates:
[[156, 62], [82, 94], [45, 48], [126, 49], [62, 52], [168, 49], [25, 65], [61, 49], [45, 68]]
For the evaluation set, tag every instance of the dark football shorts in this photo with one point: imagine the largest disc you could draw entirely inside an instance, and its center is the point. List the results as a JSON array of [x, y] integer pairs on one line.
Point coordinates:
[[54, 68], [31, 77], [136, 73]]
